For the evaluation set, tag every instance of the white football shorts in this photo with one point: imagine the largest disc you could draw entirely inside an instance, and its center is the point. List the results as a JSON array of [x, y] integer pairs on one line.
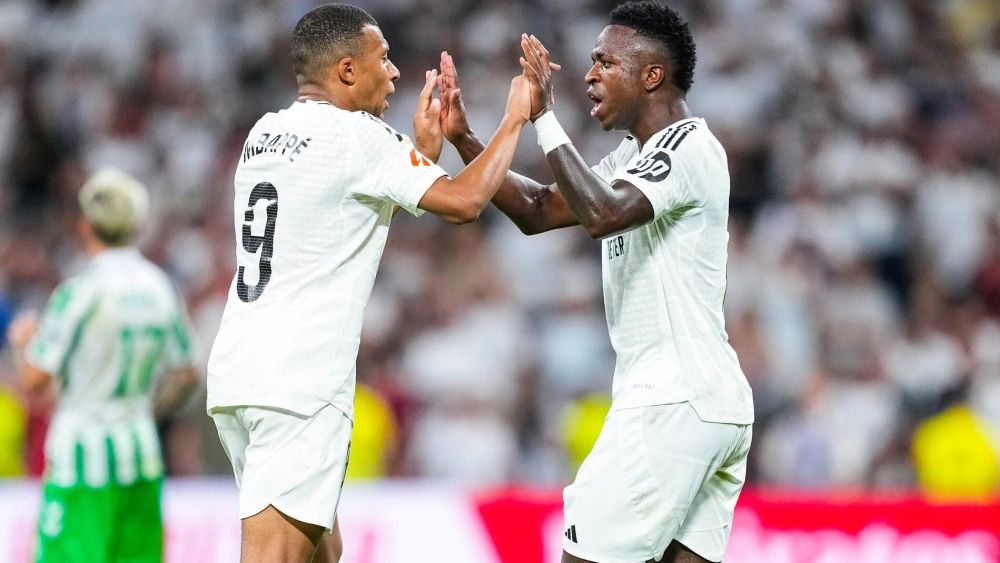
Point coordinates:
[[296, 463], [656, 474]]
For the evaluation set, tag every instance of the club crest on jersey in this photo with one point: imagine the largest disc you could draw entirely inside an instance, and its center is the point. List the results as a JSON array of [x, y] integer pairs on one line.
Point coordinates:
[[654, 167]]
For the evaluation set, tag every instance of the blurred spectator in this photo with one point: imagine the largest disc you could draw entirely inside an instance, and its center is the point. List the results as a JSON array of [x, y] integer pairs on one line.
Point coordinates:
[[375, 437], [582, 423], [956, 454], [13, 430]]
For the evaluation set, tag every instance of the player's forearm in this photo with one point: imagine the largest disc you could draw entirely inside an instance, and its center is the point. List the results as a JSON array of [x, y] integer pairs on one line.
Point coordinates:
[[34, 381], [468, 146], [600, 208], [427, 144], [176, 391], [533, 207], [487, 171], [526, 202]]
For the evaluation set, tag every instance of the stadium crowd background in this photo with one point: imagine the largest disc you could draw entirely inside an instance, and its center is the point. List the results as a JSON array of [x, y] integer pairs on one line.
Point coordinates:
[[864, 272]]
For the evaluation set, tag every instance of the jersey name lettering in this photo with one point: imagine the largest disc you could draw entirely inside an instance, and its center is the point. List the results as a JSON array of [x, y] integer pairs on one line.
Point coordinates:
[[284, 143], [616, 246]]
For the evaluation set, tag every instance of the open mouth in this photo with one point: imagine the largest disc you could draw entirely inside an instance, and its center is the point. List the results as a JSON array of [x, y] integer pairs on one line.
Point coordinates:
[[598, 104]]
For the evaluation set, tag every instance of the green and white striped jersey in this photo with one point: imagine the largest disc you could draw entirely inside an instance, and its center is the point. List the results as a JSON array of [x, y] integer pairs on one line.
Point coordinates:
[[106, 335]]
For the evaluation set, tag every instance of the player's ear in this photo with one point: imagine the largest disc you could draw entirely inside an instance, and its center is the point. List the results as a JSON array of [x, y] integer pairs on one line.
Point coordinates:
[[346, 71], [653, 76]]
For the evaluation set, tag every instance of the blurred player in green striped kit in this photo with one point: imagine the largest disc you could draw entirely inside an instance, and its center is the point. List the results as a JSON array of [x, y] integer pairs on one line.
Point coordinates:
[[106, 336]]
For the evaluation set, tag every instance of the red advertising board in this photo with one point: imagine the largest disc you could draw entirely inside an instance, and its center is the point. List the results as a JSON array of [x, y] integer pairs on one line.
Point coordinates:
[[405, 521]]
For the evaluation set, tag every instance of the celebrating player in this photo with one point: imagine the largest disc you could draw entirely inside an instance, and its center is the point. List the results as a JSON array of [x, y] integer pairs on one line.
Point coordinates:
[[316, 187], [662, 480], [105, 336]]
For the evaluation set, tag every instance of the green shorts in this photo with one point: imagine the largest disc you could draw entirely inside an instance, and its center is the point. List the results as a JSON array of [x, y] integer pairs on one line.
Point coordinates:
[[98, 525]]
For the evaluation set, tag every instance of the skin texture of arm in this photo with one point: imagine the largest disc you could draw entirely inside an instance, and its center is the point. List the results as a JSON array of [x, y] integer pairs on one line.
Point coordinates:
[[177, 388], [532, 206], [601, 208], [461, 199]]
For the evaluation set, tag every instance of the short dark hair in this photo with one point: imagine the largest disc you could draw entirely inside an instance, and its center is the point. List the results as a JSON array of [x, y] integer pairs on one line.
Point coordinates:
[[324, 35], [666, 27]]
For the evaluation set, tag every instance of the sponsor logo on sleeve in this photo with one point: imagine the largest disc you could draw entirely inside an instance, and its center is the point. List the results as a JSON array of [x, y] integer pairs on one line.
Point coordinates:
[[653, 167], [418, 159]]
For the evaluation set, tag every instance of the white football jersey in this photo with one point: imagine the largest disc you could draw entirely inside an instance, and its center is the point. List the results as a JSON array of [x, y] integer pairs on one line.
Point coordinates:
[[106, 335], [316, 187], [664, 282]]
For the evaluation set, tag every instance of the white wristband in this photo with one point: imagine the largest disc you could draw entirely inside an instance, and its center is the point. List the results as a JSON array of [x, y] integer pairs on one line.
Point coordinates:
[[550, 133]]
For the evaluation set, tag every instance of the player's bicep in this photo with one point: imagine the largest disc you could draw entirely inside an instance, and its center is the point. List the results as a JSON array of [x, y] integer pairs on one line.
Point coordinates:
[[632, 208], [448, 200]]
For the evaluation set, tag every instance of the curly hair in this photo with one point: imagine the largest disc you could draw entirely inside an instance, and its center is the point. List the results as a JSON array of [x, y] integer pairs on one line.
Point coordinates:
[[666, 27], [326, 33]]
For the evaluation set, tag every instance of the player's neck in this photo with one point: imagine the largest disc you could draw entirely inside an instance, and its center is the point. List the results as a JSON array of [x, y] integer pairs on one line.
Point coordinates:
[[334, 96], [658, 117], [314, 92]]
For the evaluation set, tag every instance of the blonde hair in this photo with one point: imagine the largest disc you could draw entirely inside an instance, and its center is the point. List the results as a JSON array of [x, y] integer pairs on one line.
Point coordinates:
[[115, 204]]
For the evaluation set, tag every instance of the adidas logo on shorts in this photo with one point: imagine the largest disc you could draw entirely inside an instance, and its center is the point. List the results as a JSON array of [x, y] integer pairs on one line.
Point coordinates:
[[571, 533]]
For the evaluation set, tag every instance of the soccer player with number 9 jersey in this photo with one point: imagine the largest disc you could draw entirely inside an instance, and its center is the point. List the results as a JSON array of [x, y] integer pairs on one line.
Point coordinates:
[[316, 186], [106, 335]]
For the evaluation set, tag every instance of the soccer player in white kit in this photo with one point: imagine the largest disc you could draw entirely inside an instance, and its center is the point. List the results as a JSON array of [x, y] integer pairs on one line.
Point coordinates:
[[663, 478], [316, 187], [107, 335]]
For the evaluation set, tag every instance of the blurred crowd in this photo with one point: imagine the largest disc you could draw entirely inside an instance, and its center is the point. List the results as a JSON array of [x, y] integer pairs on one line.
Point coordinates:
[[863, 139]]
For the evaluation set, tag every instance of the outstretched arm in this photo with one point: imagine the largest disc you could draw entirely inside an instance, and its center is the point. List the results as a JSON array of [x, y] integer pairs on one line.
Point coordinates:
[[461, 199], [533, 207], [603, 209]]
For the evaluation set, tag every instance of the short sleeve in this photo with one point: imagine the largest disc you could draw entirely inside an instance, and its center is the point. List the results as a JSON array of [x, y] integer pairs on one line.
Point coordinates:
[[665, 171], [399, 173], [67, 314], [178, 351], [607, 166]]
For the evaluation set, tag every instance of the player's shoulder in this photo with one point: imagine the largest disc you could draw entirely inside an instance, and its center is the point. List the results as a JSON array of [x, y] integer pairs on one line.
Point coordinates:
[[373, 128], [326, 116], [305, 113], [78, 292], [143, 271], [156, 275], [690, 133]]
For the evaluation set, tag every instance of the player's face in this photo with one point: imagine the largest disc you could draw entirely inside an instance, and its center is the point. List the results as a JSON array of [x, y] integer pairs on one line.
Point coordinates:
[[615, 82], [376, 73]]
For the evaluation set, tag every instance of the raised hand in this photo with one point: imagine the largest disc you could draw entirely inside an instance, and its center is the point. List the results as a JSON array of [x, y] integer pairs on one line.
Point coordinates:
[[454, 120], [427, 119], [519, 98], [538, 70]]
